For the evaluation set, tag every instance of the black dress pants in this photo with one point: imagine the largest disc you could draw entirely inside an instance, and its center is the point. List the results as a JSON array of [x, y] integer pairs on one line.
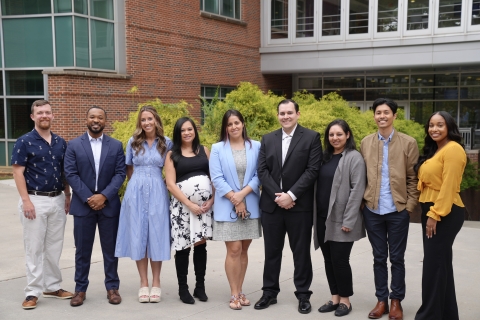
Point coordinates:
[[298, 226], [337, 262], [438, 286]]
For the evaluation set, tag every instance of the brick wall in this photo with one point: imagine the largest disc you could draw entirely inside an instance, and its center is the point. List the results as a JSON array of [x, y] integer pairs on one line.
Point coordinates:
[[171, 51], [473, 155]]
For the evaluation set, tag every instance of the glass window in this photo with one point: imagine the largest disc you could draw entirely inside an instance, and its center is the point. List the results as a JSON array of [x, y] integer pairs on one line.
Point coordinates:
[[449, 106], [228, 8], [80, 6], [10, 150], [343, 82], [387, 16], [449, 13], [3, 158], [358, 22], [446, 94], [387, 81], [447, 79], [422, 94], [310, 83], [28, 42], [331, 14], [470, 114], [279, 16], [392, 93], [2, 125], [62, 6], [417, 14], [475, 12], [103, 45], [101, 9], [421, 111], [64, 41], [18, 7], [470, 93], [81, 42], [350, 95], [24, 83], [470, 79], [18, 117], [304, 18], [422, 80]]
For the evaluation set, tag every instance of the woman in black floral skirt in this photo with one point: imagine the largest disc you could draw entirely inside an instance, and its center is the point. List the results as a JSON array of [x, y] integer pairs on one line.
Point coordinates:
[[187, 177]]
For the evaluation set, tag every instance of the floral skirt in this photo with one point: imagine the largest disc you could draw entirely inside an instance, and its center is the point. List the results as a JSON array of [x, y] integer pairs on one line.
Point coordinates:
[[186, 227]]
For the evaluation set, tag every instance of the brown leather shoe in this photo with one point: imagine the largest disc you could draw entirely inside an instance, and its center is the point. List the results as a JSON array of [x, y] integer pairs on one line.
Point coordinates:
[[380, 309], [396, 310], [78, 298], [30, 302], [113, 296]]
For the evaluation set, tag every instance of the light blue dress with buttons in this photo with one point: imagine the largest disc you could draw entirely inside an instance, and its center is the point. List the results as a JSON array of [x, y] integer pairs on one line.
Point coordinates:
[[144, 217]]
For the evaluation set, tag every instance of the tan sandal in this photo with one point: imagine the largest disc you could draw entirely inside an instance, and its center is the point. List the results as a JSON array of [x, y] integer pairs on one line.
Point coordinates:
[[243, 299], [235, 303], [155, 294], [143, 295]]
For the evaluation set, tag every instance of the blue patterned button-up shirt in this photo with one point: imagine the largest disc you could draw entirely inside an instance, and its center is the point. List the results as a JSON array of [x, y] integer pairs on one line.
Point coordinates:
[[43, 162]]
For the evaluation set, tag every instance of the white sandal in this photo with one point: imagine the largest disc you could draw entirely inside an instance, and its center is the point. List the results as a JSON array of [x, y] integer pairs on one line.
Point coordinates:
[[155, 294], [143, 295]]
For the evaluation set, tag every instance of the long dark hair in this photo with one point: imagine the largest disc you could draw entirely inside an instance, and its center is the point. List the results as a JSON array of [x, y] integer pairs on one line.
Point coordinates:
[[139, 135], [349, 145], [177, 139], [430, 147], [223, 131]]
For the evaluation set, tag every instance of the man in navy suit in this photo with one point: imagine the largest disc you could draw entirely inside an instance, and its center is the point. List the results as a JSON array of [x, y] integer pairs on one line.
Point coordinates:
[[95, 169], [288, 166]]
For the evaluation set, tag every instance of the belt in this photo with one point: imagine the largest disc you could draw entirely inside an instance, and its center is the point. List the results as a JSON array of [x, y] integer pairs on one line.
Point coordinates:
[[46, 194]]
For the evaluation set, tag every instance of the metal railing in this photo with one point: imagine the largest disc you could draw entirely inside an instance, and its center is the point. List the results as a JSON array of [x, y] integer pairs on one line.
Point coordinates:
[[468, 135]]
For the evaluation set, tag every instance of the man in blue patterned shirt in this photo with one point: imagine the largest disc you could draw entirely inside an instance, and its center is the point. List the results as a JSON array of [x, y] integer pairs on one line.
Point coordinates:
[[37, 161]]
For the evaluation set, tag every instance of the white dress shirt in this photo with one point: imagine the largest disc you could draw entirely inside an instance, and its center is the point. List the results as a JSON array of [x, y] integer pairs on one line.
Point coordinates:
[[286, 139], [96, 144]]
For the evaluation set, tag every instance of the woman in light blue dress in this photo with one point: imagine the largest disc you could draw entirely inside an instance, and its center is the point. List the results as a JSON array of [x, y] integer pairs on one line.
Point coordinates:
[[144, 229]]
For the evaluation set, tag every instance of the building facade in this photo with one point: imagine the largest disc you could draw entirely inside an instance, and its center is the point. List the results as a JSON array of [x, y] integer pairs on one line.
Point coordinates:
[[79, 53], [423, 53]]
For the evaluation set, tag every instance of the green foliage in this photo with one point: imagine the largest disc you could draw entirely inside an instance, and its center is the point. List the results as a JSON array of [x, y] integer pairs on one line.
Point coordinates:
[[471, 177], [258, 109]]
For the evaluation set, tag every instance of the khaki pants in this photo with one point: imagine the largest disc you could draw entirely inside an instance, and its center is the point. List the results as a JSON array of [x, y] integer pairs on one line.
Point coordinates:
[[43, 241]]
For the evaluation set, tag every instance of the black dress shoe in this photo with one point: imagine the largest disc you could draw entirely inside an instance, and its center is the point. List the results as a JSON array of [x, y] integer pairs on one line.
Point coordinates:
[[304, 305], [328, 307], [264, 302], [343, 310]]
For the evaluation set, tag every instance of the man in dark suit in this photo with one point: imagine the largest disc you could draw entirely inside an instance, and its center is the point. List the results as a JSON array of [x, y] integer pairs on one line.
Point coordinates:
[[95, 169], [288, 166]]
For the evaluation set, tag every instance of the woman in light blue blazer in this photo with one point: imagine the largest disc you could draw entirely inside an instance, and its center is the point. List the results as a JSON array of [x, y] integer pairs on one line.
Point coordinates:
[[233, 169]]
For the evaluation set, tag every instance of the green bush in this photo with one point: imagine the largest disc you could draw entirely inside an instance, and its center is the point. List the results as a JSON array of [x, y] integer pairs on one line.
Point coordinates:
[[471, 177], [260, 112]]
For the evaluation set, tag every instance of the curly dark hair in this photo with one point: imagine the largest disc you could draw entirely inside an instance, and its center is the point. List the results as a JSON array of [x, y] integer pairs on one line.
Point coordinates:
[[430, 147]]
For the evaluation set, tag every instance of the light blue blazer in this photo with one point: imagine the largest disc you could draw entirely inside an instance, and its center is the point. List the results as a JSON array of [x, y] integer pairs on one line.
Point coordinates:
[[225, 179]]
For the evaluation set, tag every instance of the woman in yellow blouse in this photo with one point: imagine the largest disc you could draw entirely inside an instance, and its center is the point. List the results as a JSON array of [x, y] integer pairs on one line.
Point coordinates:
[[440, 171]]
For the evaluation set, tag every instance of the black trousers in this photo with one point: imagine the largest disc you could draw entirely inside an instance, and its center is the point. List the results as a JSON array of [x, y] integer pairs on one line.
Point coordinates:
[[388, 235], [298, 226], [438, 286], [337, 262]]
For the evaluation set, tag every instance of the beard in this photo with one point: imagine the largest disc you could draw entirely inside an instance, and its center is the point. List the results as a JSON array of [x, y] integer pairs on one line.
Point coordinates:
[[95, 130], [44, 124]]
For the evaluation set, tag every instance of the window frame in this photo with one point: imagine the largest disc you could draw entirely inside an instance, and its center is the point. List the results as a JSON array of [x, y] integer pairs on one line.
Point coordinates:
[[449, 30], [400, 22], [428, 31], [346, 15], [202, 8], [341, 36]]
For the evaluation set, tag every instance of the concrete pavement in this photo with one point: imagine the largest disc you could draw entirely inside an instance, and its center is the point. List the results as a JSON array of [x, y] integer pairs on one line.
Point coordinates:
[[12, 280]]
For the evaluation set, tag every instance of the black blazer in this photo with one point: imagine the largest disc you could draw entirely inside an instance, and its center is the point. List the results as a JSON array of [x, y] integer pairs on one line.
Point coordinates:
[[298, 173]]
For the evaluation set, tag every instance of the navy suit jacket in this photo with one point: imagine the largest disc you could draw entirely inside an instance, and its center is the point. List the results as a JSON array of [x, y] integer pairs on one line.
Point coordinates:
[[80, 173]]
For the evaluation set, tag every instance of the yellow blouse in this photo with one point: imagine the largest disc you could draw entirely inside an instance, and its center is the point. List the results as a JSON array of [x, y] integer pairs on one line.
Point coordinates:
[[439, 180]]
